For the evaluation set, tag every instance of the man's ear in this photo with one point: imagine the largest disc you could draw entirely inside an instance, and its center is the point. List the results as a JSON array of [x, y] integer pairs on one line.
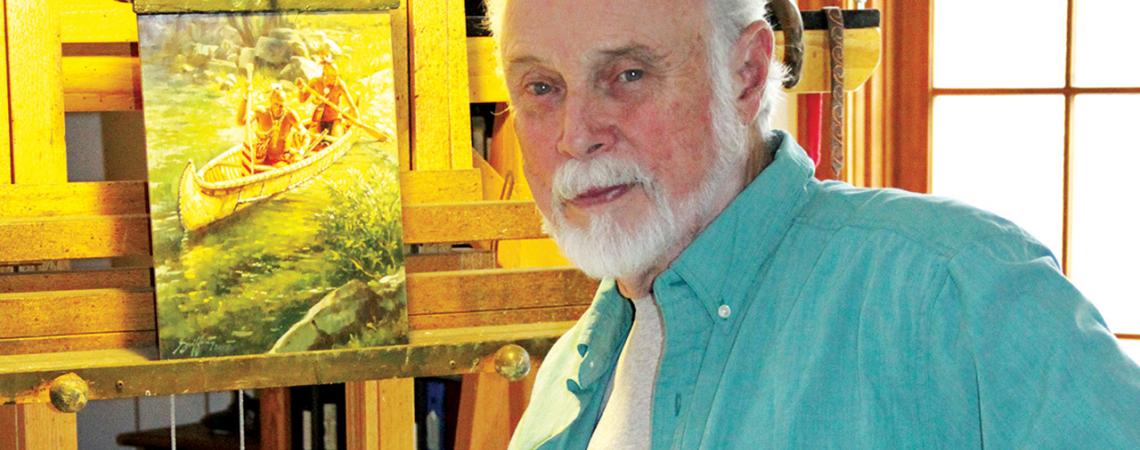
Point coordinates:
[[751, 56]]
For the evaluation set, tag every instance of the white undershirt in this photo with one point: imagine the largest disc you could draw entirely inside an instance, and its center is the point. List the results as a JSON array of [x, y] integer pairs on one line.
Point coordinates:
[[626, 421]]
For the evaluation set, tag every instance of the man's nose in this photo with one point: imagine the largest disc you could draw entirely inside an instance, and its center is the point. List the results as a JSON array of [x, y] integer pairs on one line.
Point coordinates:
[[585, 130]]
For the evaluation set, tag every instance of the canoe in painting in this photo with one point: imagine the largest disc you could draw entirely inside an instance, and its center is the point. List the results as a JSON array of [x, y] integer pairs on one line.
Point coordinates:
[[220, 188]]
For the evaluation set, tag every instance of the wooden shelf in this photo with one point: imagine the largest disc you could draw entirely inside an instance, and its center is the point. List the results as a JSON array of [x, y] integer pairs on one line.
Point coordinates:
[[122, 373]]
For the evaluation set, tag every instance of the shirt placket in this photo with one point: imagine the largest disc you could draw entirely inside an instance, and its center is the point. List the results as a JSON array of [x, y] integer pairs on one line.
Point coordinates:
[[687, 328]]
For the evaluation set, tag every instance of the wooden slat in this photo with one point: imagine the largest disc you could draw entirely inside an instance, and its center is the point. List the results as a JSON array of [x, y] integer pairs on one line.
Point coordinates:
[[40, 239], [484, 417], [78, 342], [276, 432], [496, 289], [492, 318], [127, 278], [98, 21], [431, 127], [25, 240], [37, 427], [459, 105], [75, 312], [458, 260], [129, 197], [435, 186], [35, 93], [476, 221], [22, 377], [380, 414], [5, 126], [70, 199], [102, 83], [484, 73], [401, 83]]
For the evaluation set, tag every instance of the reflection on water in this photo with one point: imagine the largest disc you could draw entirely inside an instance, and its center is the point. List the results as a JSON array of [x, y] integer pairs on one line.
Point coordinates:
[[236, 286]]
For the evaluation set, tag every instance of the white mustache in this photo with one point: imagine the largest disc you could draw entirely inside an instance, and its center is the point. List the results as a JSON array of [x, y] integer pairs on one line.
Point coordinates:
[[576, 177]]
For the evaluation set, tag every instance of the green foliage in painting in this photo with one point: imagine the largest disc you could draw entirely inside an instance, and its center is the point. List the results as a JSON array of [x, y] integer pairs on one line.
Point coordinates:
[[361, 230]]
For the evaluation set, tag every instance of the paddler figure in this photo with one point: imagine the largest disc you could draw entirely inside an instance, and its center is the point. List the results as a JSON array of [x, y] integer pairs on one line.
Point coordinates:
[[275, 139], [327, 91]]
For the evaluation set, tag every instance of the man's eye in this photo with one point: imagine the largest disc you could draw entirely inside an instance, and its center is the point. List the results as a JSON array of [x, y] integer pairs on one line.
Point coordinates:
[[539, 88], [631, 75]]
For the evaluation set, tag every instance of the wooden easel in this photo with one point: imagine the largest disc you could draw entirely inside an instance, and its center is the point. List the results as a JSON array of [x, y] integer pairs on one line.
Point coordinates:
[[77, 56]]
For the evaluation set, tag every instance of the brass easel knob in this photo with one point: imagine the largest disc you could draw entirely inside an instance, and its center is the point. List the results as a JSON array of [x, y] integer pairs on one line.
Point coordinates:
[[512, 362], [68, 393]]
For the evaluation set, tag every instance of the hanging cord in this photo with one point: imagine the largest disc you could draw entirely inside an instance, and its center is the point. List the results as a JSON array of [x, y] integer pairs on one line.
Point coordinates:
[[835, 39], [241, 419], [173, 422]]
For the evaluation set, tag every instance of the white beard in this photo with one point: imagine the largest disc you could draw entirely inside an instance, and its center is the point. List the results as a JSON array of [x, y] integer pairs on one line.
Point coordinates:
[[606, 248]]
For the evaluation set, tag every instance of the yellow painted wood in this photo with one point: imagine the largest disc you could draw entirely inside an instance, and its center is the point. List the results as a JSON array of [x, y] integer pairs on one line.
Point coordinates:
[[484, 73], [457, 92], [458, 260], [102, 83], [380, 414], [435, 186], [36, 92], [98, 21]]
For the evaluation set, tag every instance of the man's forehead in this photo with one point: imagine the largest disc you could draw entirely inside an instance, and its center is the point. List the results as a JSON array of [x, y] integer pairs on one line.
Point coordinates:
[[596, 29]]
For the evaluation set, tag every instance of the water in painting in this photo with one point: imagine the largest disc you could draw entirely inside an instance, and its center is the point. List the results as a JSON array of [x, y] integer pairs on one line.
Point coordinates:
[[273, 182]]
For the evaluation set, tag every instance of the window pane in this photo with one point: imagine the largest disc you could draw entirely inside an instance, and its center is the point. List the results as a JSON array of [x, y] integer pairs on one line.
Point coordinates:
[[1101, 43], [1105, 216], [1004, 154], [999, 43]]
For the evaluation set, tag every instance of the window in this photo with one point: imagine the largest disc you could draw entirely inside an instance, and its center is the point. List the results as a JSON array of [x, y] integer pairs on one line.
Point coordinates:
[[1032, 107]]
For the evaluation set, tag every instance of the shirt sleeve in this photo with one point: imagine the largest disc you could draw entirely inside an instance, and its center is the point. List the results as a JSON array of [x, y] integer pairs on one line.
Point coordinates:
[[1048, 372]]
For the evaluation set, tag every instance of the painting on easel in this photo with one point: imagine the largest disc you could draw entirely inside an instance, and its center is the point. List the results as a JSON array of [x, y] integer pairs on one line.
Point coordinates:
[[274, 182]]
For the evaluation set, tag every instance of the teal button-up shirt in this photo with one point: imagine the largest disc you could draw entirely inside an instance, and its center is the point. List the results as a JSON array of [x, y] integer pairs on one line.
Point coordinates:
[[817, 315]]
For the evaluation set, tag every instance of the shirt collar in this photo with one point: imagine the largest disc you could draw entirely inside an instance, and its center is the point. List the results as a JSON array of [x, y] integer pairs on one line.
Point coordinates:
[[606, 325], [748, 231]]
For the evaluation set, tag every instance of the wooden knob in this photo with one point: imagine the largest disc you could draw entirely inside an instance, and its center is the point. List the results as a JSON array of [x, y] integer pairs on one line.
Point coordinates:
[[68, 393], [512, 362]]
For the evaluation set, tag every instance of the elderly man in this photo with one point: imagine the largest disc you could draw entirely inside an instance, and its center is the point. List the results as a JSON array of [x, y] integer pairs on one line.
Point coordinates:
[[746, 304]]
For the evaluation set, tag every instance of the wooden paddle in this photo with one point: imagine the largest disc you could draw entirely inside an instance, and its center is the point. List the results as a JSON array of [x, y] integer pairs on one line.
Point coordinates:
[[382, 136]]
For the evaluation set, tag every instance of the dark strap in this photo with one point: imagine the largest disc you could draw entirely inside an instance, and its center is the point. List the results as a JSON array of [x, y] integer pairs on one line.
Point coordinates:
[[835, 41]]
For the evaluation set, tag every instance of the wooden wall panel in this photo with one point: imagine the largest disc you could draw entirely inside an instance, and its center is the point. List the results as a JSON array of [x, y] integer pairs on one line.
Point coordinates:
[[39, 153]]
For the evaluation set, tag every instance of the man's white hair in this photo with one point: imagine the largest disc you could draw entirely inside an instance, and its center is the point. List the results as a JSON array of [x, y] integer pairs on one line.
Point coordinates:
[[728, 18]]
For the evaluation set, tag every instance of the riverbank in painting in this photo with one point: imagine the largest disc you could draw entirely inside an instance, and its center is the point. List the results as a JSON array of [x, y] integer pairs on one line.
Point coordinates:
[[327, 251]]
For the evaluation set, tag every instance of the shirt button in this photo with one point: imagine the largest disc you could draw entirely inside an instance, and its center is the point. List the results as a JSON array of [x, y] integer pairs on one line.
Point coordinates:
[[724, 311]]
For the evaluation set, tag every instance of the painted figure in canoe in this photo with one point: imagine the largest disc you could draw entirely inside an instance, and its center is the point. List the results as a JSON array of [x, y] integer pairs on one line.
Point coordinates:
[[327, 91], [276, 137]]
